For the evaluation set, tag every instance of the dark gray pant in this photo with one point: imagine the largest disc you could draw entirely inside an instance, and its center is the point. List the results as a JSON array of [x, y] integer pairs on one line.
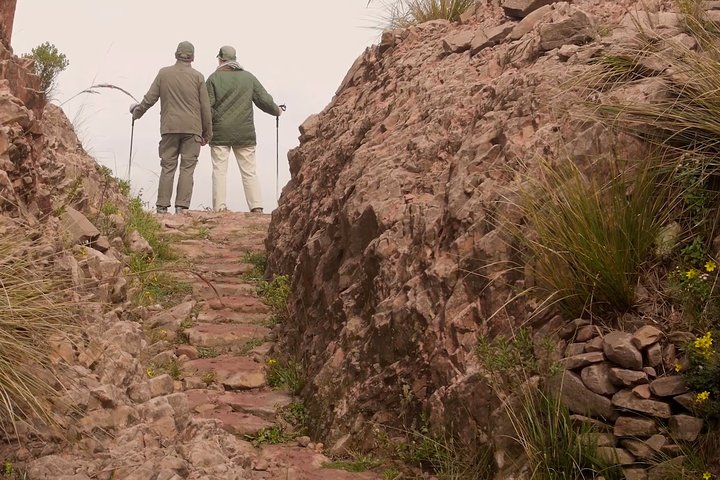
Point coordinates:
[[174, 145]]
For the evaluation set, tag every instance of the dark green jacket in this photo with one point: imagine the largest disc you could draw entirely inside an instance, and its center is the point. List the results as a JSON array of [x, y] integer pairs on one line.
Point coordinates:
[[232, 94], [184, 104]]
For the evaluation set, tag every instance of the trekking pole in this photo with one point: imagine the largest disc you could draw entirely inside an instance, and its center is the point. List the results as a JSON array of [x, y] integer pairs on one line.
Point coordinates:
[[132, 134], [277, 153]]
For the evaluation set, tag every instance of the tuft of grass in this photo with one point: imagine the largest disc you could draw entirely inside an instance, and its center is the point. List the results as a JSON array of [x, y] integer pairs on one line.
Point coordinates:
[[296, 414], [556, 448], [156, 285], [207, 352], [404, 13], [35, 312], [259, 262], [248, 346], [358, 463], [149, 228], [586, 239], [276, 293], [285, 374], [203, 233], [269, 436]]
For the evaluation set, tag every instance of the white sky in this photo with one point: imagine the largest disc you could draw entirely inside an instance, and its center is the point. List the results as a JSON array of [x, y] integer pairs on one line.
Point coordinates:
[[300, 51]]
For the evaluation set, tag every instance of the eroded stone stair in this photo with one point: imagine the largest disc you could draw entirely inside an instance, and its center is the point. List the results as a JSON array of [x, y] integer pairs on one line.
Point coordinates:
[[228, 339]]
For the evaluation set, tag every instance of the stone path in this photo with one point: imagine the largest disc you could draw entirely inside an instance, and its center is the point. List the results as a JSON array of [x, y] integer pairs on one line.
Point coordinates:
[[228, 340]]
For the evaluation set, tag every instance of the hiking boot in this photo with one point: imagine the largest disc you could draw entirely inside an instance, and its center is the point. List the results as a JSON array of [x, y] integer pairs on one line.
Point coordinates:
[[180, 210], [162, 210], [257, 210]]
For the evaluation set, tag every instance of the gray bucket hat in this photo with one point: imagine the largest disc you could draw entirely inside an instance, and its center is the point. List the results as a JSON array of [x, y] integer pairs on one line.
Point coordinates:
[[185, 51], [227, 53]]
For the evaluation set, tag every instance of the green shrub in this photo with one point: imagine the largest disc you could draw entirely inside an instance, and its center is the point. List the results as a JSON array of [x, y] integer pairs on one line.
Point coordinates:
[[269, 436], [359, 463], [285, 374], [276, 293], [49, 62], [702, 374], [259, 263], [403, 13], [586, 240], [149, 228]]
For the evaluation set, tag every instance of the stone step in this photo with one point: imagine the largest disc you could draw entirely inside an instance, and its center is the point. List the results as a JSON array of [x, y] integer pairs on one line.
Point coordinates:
[[215, 289], [238, 303], [222, 335], [236, 423], [263, 404], [233, 372], [231, 316], [298, 463]]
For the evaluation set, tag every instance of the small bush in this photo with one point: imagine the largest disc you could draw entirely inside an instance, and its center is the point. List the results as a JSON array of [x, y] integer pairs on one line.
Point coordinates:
[[259, 263], [269, 436], [285, 374], [404, 13], [276, 293], [49, 62], [586, 240]]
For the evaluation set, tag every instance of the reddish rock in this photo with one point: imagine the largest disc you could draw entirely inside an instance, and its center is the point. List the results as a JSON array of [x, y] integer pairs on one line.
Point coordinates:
[[212, 335], [646, 336], [627, 378], [625, 400], [597, 379], [526, 24], [642, 391], [618, 348], [618, 456], [582, 360], [635, 427], [669, 386], [594, 345], [574, 349], [521, 8], [579, 399], [488, 37], [571, 328], [685, 428], [653, 355]]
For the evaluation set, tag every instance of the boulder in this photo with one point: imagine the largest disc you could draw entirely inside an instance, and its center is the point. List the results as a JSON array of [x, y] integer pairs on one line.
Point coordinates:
[[646, 336], [77, 228], [685, 427], [488, 37], [669, 386], [526, 24], [458, 42], [580, 399], [653, 355], [137, 244], [575, 29], [582, 360], [627, 378], [642, 391], [626, 400], [618, 456], [639, 427], [521, 8], [618, 347], [596, 378]]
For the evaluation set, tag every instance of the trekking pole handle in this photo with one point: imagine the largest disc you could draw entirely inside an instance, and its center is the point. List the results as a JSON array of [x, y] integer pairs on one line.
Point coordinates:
[[283, 107]]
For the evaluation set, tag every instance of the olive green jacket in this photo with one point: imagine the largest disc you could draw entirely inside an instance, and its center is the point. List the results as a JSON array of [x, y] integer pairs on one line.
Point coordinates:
[[184, 103], [232, 95]]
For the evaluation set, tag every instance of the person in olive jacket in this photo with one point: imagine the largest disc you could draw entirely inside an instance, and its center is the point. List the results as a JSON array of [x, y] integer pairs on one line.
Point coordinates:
[[185, 125], [233, 91]]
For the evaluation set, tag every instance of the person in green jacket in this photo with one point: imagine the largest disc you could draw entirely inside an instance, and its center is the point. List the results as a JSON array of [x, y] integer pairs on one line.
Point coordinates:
[[185, 125], [233, 91]]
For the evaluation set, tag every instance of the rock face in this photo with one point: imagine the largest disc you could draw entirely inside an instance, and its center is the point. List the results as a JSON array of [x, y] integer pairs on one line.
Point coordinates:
[[389, 224]]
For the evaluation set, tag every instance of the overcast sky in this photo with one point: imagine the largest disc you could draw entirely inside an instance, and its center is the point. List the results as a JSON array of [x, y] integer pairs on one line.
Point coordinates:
[[300, 51]]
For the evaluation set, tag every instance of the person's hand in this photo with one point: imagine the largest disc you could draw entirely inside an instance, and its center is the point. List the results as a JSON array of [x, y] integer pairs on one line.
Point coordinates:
[[133, 107], [204, 141], [280, 111]]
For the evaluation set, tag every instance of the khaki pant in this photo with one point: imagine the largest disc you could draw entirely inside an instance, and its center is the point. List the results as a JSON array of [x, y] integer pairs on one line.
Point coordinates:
[[187, 147], [245, 157]]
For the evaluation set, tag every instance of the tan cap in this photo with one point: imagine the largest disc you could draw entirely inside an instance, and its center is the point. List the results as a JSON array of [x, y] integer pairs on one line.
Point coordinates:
[[227, 53]]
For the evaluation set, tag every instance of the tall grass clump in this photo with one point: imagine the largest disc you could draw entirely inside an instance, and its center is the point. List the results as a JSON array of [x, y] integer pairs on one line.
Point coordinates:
[[149, 228], [586, 239], [550, 443], [35, 312], [404, 13]]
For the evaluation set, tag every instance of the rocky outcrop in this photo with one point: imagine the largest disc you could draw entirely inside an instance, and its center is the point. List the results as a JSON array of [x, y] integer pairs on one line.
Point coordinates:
[[391, 225], [7, 17]]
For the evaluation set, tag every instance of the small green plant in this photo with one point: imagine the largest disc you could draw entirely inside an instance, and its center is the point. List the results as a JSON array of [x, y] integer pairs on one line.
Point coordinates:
[[109, 208], [208, 377], [248, 346], [703, 374], [8, 468], [171, 368], [285, 374], [48, 63], [203, 233], [149, 229], [358, 463], [296, 415], [207, 352], [391, 473], [259, 262], [276, 293], [124, 187], [269, 436]]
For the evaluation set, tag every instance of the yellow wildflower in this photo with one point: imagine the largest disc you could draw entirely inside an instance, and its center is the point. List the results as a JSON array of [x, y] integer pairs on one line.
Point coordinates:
[[150, 372], [678, 367], [710, 266], [701, 397], [271, 362], [707, 476], [692, 273], [704, 343]]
